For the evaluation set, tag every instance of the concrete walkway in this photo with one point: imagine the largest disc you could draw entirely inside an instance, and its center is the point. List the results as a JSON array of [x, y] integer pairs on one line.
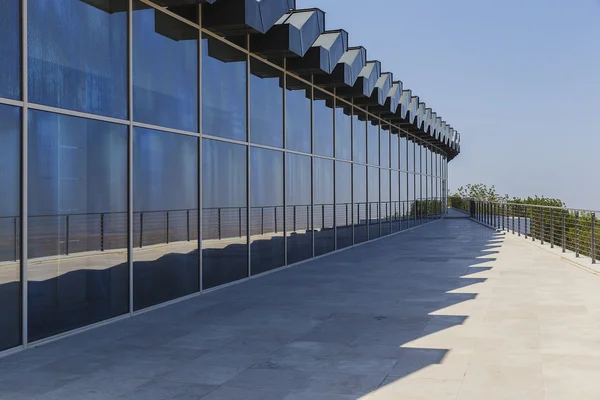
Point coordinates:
[[450, 310]]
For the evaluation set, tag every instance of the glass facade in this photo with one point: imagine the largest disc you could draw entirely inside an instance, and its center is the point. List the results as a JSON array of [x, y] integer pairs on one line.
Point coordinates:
[[190, 165]]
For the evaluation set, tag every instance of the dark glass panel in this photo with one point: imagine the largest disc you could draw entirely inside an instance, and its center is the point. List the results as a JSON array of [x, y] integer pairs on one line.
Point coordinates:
[[394, 162], [224, 213], [323, 124], [374, 206], [223, 90], [343, 200], [396, 207], [343, 131], [165, 70], [297, 108], [298, 208], [384, 146], [10, 221], [373, 143], [403, 154], [78, 272], [324, 205], [10, 50], [77, 56], [359, 126], [266, 104], [165, 216], [386, 205], [360, 215], [267, 250]]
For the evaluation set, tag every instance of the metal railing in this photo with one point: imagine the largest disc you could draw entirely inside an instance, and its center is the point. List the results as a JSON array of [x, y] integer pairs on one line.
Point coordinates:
[[570, 229], [64, 234]]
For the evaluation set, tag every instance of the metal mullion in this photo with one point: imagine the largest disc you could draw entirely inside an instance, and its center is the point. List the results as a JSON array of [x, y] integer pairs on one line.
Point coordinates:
[[199, 219], [164, 129], [78, 114], [335, 237], [170, 13], [352, 168], [312, 163], [130, 194], [10, 102], [285, 232], [24, 179], [368, 206], [248, 180]]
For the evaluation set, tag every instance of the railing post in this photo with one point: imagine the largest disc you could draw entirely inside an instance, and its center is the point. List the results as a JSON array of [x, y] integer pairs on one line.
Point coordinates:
[[552, 228], [541, 226], [167, 227], [16, 250], [294, 217], [240, 221], [67, 232], [503, 218], [262, 221], [308, 218], [576, 233], [141, 229], [593, 249], [512, 218], [564, 235], [275, 217], [347, 215], [187, 216], [219, 222], [519, 220], [102, 232], [322, 216]]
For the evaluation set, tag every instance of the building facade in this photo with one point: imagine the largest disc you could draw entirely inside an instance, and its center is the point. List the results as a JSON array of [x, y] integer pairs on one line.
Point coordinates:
[[154, 151]]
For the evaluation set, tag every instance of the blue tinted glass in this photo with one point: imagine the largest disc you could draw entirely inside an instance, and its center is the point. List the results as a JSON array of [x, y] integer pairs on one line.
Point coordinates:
[[223, 90], [10, 50], [165, 71], [394, 162], [403, 154], [384, 146], [410, 150], [374, 207], [373, 143], [343, 132], [324, 206], [323, 124], [360, 215], [298, 194], [386, 205], [343, 207], [10, 246], [359, 136], [266, 104], [297, 108], [77, 56], [266, 210], [77, 213], [165, 217], [224, 213]]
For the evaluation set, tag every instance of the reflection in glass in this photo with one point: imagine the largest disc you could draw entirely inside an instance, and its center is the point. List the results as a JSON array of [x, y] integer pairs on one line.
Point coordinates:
[[266, 104], [360, 215], [223, 90], [224, 213], [324, 205], [411, 199], [385, 205], [394, 150], [373, 143], [396, 208], [323, 124], [165, 215], [77, 243], [165, 70], [298, 215], [343, 200], [267, 249], [298, 125], [77, 56], [410, 151], [359, 136], [10, 51], [403, 154], [374, 206], [404, 209], [343, 131], [384, 145], [10, 221]]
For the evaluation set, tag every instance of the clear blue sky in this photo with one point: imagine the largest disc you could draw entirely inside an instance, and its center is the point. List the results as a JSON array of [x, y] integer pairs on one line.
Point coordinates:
[[519, 79]]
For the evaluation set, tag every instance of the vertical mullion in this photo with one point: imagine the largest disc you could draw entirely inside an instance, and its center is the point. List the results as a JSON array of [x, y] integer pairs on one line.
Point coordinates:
[[24, 176], [130, 151], [248, 180], [199, 219], [335, 238], [285, 232], [352, 168], [312, 163]]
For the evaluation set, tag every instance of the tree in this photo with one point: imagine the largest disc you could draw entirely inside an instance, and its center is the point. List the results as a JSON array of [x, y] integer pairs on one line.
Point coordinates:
[[480, 192]]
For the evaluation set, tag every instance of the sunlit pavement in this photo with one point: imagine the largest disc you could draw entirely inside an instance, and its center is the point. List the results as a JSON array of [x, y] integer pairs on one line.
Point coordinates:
[[450, 310]]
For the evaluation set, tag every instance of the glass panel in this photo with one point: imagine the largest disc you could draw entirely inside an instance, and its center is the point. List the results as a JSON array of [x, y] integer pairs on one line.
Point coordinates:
[[10, 50], [165, 216], [323, 124], [223, 90], [224, 213], [267, 249], [343, 131], [78, 272], [403, 154], [266, 104], [298, 208], [411, 199], [360, 216], [384, 145], [386, 206], [77, 56], [297, 108], [10, 227], [359, 136], [323, 209], [373, 143], [396, 207], [404, 208], [411, 155], [343, 199], [394, 150], [165, 70], [374, 228]]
